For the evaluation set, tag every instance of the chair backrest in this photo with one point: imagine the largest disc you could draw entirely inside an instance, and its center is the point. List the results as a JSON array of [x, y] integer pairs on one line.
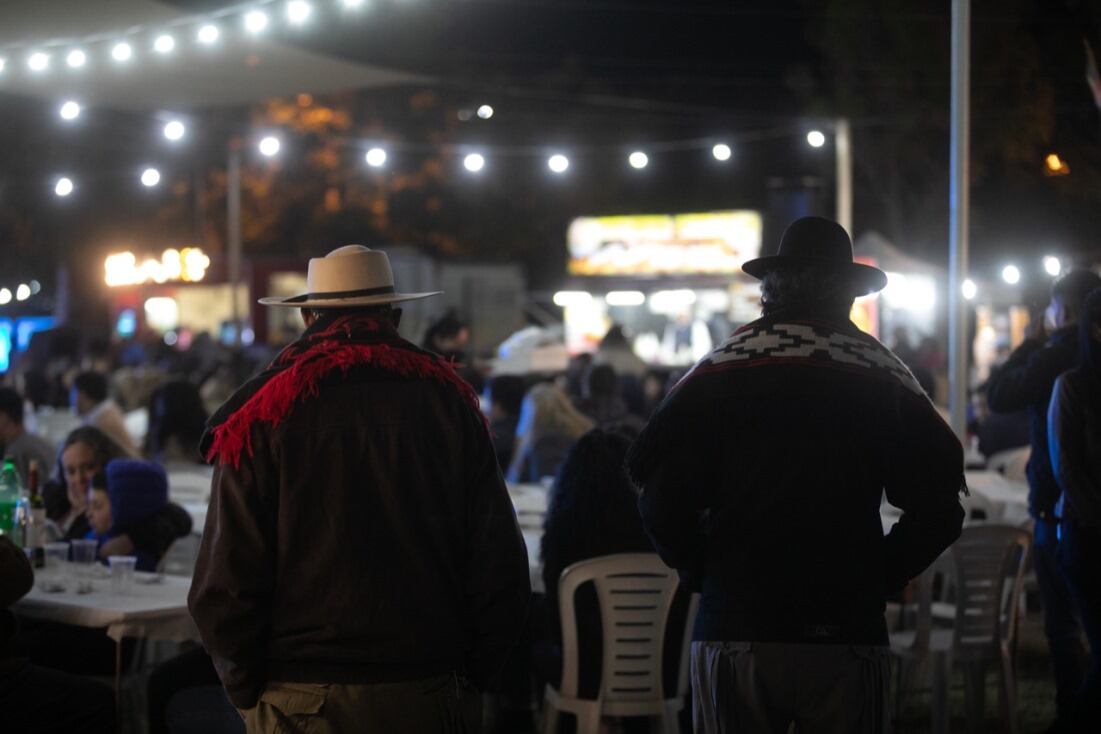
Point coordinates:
[[1011, 464], [636, 592], [986, 558], [181, 556]]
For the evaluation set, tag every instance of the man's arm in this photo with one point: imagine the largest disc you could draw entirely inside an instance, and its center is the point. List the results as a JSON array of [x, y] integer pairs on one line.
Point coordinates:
[[234, 580], [1024, 378], [498, 582], [1066, 426], [925, 466]]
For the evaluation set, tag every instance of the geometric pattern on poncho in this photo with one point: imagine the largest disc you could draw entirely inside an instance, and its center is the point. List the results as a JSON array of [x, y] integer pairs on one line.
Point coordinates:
[[805, 343]]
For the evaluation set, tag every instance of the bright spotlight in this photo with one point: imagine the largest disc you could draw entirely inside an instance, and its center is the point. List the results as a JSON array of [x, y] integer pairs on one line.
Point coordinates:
[[23, 292], [565, 299], [208, 34], [721, 151], [474, 162], [816, 139], [122, 51], [376, 157], [69, 111], [638, 160], [64, 186], [625, 298], [256, 21], [1011, 275], [485, 112], [76, 58], [174, 130], [269, 146], [164, 44], [558, 163], [150, 177], [38, 61], [5, 296], [969, 289], [298, 11], [1052, 266]]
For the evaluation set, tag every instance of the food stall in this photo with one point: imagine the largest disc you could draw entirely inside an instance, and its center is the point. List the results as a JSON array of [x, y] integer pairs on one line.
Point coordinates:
[[674, 281]]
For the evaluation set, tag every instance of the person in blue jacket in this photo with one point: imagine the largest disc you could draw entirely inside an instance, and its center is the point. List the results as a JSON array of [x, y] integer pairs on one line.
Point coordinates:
[[131, 492]]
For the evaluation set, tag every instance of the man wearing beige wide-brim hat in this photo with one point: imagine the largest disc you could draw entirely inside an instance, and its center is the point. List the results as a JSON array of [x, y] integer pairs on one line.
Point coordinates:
[[361, 567]]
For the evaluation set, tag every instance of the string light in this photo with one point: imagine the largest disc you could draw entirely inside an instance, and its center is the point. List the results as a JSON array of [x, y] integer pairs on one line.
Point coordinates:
[[23, 292], [208, 34], [256, 21], [353, 4], [76, 58], [69, 111], [174, 130], [816, 139], [1011, 274], [164, 44], [721, 151], [150, 177], [38, 61], [638, 160], [485, 112], [5, 296], [474, 162], [122, 52], [64, 186], [298, 11], [269, 146], [376, 157], [558, 163], [3, 63], [1052, 266], [969, 289]]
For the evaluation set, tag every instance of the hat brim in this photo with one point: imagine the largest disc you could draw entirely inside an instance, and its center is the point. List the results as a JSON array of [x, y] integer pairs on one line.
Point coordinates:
[[379, 300], [864, 279]]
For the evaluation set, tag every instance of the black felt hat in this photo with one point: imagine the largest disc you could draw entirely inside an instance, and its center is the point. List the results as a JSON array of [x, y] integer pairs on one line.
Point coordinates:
[[821, 244]]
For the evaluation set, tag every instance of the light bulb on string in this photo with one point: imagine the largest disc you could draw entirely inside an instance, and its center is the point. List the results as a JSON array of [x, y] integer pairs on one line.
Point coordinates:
[[150, 177], [269, 146], [38, 61], [558, 163], [816, 138], [208, 34], [174, 130], [5, 296], [485, 112], [376, 157], [721, 152], [64, 186], [23, 292], [352, 4], [298, 11], [122, 52], [256, 21], [164, 44], [3, 63], [76, 58], [70, 110], [638, 160], [474, 162]]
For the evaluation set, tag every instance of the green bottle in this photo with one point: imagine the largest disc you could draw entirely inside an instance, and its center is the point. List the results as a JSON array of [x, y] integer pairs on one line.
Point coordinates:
[[9, 496]]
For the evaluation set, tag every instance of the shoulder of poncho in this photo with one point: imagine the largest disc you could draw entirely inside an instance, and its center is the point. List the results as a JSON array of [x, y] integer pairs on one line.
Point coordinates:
[[807, 343]]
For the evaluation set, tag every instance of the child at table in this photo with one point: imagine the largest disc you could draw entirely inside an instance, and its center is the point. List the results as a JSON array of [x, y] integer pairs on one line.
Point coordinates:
[[131, 493]]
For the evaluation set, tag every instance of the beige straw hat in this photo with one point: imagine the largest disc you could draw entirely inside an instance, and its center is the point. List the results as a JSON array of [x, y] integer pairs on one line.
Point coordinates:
[[347, 277]]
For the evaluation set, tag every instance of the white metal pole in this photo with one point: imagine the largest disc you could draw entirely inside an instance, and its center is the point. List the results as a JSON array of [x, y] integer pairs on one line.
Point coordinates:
[[233, 233], [958, 207], [842, 142]]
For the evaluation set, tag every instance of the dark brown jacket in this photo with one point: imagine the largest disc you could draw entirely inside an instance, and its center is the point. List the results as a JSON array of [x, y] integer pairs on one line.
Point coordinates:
[[368, 538]]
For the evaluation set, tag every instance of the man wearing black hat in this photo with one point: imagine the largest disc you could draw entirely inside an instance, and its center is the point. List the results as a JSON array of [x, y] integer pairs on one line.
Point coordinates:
[[1025, 382], [762, 476]]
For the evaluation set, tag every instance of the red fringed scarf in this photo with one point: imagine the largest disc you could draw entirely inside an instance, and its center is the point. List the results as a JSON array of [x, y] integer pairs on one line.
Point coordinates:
[[332, 343]]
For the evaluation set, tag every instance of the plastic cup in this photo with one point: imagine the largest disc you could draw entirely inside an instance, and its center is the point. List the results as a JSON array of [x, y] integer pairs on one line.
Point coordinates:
[[122, 573], [56, 555], [84, 553]]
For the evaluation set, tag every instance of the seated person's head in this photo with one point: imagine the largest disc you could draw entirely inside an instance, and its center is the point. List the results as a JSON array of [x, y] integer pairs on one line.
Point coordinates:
[[99, 506], [601, 381], [135, 490], [506, 393], [89, 390], [84, 454], [11, 415]]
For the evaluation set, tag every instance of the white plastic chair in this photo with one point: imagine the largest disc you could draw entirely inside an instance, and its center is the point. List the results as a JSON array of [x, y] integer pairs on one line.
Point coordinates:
[[181, 556], [1012, 464], [986, 566], [635, 592]]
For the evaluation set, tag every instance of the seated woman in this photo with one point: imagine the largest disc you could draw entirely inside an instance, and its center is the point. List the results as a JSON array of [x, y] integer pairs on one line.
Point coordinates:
[[134, 494], [592, 511], [86, 452], [548, 426]]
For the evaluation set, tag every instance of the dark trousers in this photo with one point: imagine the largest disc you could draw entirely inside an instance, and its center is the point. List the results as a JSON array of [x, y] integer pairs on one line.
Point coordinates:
[[36, 700], [1080, 554], [1064, 634], [191, 669]]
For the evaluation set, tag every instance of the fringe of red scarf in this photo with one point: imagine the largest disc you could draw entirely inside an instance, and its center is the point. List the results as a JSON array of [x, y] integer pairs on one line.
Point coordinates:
[[273, 402]]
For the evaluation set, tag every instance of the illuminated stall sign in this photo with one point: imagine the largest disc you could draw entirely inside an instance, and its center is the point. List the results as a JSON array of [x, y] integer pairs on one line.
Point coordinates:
[[708, 243]]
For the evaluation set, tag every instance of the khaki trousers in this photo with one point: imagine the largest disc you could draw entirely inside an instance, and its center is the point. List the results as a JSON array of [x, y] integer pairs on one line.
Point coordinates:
[[771, 687], [445, 705]]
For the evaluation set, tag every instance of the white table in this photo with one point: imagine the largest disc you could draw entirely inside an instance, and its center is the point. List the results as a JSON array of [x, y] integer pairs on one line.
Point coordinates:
[[154, 611]]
